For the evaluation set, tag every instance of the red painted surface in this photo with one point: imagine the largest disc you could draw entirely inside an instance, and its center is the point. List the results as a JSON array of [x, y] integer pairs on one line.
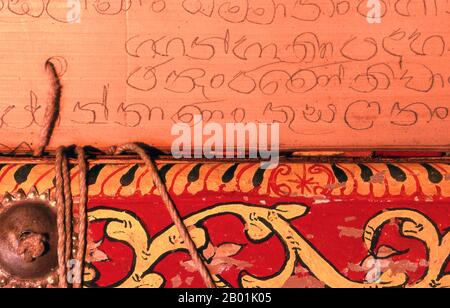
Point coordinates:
[[333, 228]]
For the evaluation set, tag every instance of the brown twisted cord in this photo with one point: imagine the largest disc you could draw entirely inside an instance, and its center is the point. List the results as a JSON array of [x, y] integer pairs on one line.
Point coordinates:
[[67, 207], [64, 195], [82, 214], [61, 226], [173, 212], [63, 189], [51, 111]]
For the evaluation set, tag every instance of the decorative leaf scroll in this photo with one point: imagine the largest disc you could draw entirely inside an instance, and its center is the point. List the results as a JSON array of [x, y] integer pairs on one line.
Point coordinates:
[[415, 225], [261, 223]]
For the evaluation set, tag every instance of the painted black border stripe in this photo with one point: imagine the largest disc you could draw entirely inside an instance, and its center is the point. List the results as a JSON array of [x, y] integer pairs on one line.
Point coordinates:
[[366, 173], [163, 171], [22, 173], [258, 178], [194, 175], [94, 173], [228, 176], [397, 173], [340, 174], [128, 177], [434, 175]]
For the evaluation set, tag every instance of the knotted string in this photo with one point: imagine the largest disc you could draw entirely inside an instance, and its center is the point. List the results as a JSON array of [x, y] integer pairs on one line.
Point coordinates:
[[64, 196]]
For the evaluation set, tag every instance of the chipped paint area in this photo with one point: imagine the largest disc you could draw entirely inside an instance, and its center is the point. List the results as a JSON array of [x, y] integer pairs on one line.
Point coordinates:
[[350, 232]]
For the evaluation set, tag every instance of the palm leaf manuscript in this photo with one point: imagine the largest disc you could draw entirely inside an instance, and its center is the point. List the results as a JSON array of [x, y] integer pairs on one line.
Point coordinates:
[[334, 74]]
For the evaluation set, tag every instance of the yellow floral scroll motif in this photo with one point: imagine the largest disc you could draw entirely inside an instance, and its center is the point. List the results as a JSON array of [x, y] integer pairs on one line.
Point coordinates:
[[418, 226], [125, 227], [261, 223]]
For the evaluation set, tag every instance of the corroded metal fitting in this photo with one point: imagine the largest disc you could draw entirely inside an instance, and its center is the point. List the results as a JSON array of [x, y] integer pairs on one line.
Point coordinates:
[[28, 240]]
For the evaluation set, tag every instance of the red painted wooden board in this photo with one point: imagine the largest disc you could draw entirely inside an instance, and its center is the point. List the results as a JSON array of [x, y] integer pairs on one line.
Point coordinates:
[[299, 225]]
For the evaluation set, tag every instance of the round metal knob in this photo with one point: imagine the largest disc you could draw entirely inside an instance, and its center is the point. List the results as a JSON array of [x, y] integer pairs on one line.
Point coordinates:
[[28, 239]]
